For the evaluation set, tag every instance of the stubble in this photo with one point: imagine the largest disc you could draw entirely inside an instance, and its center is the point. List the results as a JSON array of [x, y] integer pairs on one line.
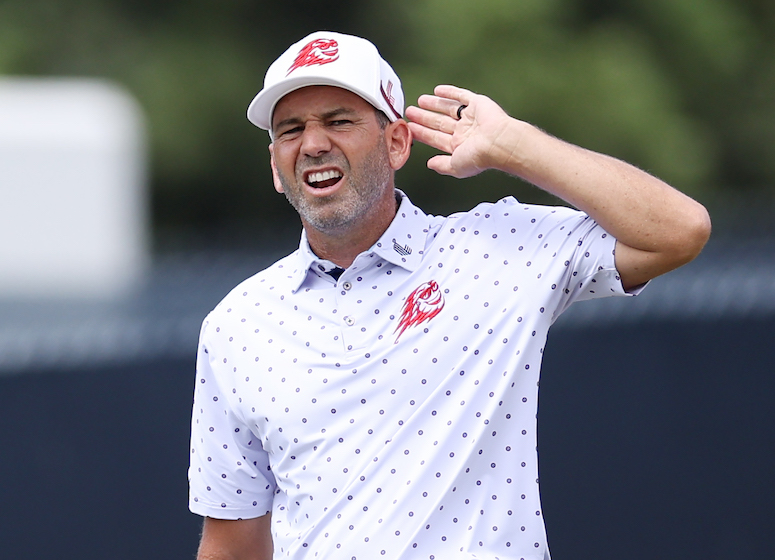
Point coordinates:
[[357, 199]]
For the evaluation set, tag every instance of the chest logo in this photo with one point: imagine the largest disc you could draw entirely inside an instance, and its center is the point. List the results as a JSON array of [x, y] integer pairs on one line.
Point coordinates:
[[319, 51], [422, 305]]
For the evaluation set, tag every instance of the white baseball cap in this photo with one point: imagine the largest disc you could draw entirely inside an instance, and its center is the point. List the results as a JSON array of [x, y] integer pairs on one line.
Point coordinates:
[[325, 58]]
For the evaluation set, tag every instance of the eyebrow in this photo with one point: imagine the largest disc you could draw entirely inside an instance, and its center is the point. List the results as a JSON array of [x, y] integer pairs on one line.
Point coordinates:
[[338, 112]]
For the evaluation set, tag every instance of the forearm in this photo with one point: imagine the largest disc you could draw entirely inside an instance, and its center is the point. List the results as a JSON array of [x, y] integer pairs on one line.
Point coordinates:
[[657, 228], [635, 207], [245, 539], [638, 209]]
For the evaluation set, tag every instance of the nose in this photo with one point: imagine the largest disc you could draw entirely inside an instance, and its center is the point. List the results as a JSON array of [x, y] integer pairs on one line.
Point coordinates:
[[315, 141]]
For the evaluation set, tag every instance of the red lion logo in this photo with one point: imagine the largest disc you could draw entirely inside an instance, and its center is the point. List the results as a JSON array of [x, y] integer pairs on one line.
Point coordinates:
[[423, 304], [319, 51]]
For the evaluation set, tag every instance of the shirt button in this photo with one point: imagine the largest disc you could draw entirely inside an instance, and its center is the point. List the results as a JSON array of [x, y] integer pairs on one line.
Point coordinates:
[[347, 286], [349, 321]]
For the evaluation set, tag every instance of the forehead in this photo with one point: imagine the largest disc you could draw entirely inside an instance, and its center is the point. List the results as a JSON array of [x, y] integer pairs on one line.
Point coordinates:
[[318, 100]]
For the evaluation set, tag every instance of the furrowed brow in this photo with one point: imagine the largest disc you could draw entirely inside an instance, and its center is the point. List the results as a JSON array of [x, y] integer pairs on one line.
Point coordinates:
[[328, 115], [333, 114], [338, 112], [287, 122]]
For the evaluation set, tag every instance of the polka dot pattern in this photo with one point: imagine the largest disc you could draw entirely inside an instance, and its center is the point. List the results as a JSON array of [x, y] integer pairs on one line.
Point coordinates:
[[364, 445]]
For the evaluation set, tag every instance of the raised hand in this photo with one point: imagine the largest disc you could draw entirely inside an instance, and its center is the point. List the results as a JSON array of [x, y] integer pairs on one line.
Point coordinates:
[[481, 139]]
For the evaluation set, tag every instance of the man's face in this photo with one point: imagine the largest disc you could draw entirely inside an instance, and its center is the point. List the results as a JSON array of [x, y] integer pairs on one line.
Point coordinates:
[[330, 158]]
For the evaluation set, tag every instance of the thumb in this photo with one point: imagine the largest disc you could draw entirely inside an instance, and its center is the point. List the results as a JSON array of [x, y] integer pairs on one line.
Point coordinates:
[[441, 164]]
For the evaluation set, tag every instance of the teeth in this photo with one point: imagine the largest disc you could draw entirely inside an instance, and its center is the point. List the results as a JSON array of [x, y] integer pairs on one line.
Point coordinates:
[[324, 176]]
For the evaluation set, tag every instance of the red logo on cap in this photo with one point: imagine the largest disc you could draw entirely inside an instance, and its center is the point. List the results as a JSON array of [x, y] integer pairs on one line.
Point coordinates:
[[423, 304], [388, 97], [319, 51]]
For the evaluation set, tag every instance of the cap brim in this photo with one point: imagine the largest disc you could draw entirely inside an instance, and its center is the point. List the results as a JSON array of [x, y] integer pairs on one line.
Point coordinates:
[[261, 109]]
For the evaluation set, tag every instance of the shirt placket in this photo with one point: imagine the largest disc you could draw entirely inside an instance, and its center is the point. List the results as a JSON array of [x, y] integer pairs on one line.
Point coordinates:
[[353, 319]]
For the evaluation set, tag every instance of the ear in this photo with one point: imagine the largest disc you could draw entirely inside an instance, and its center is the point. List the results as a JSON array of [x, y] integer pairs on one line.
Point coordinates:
[[398, 138], [278, 186]]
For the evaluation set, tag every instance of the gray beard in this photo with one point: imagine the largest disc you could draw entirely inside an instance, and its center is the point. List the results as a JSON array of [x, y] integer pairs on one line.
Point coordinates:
[[366, 187]]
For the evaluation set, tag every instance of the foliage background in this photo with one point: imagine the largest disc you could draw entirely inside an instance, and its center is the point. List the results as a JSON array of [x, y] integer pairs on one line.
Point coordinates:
[[681, 88]]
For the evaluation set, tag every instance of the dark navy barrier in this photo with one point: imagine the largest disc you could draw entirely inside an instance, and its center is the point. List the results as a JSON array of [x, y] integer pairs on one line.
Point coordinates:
[[656, 428], [94, 463], [657, 440]]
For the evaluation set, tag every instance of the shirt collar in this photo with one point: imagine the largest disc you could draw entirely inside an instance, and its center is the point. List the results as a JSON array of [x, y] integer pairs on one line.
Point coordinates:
[[402, 244]]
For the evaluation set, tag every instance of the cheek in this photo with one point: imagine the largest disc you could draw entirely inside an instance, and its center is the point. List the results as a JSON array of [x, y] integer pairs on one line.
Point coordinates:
[[278, 185], [285, 162]]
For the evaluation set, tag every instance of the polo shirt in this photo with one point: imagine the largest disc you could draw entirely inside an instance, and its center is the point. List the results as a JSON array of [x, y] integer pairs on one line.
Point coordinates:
[[392, 413]]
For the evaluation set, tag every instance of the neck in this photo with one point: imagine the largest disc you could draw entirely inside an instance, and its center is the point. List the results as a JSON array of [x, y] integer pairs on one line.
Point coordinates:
[[341, 247]]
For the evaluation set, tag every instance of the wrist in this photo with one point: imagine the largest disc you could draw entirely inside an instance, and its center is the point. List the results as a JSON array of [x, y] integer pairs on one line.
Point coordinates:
[[509, 153]]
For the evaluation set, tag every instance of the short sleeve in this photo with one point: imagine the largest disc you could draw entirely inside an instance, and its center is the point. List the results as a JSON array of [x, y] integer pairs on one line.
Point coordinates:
[[229, 474], [590, 264]]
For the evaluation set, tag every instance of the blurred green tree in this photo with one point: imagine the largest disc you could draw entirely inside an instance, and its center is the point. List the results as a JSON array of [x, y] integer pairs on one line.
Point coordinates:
[[605, 75], [682, 88]]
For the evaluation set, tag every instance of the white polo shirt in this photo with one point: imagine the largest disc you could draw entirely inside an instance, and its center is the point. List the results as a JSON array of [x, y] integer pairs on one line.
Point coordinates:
[[392, 413]]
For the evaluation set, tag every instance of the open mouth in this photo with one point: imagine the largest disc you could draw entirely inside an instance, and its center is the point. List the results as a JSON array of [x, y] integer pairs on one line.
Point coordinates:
[[323, 179]]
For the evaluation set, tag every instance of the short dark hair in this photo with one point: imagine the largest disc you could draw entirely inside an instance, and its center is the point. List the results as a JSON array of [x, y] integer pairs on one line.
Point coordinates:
[[382, 119]]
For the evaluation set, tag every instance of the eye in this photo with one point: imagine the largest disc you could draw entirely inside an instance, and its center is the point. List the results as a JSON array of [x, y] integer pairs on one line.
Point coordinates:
[[291, 131], [340, 122]]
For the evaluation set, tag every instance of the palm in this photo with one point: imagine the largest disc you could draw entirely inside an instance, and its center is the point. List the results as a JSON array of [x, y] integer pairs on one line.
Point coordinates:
[[469, 143]]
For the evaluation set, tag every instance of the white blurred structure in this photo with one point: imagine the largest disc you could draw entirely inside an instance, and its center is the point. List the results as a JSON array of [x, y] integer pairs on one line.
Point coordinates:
[[73, 197]]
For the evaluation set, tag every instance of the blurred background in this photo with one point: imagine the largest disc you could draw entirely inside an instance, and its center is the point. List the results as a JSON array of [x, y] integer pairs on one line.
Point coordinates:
[[134, 194]]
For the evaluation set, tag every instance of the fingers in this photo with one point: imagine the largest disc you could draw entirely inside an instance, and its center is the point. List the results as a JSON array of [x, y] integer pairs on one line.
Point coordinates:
[[439, 112], [453, 93], [431, 119], [446, 100], [428, 135], [436, 121], [439, 105]]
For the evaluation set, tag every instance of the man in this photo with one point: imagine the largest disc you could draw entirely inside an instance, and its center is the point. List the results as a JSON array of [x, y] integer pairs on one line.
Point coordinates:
[[373, 394]]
